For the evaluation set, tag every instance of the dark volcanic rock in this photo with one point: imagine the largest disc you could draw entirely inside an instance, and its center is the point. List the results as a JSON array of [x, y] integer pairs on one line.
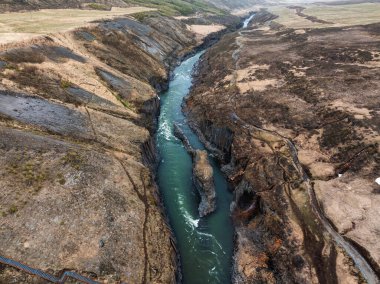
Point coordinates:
[[204, 182], [202, 174]]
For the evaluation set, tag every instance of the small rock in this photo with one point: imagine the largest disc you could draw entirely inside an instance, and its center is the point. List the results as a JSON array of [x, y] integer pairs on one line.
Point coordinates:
[[377, 180]]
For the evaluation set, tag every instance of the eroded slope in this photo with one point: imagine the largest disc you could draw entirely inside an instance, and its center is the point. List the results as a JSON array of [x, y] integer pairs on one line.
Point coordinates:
[[77, 111]]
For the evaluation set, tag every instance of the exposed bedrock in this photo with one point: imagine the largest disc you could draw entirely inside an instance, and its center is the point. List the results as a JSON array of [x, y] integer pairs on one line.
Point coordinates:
[[203, 178], [245, 105], [78, 112]]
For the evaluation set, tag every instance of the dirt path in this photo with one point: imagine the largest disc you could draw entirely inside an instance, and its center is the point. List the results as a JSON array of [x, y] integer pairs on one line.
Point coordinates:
[[313, 19]]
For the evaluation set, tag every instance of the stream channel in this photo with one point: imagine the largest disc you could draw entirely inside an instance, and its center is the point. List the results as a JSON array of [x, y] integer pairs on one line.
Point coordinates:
[[205, 244]]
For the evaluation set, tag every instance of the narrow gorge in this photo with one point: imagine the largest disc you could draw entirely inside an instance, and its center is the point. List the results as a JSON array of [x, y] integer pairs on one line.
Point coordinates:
[[206, 141]]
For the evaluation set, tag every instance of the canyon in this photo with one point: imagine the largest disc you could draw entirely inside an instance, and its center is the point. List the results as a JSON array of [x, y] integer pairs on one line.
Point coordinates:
[[279, 179]]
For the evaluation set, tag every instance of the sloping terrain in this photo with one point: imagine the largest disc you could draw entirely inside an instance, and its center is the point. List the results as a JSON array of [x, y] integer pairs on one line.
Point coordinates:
[[293, 116], [290, 106], [178, 7], [169, 8], [77, 114], [24, 5], [42, 22], [226, 4], [322, 15]]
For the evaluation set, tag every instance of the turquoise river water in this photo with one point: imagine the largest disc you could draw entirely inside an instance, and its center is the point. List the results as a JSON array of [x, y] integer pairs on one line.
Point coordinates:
[[205, 244]]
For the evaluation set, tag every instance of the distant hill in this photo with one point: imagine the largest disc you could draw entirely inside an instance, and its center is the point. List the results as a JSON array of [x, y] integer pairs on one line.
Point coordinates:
[[228, 4], [17, 5], [166, 7], [235, 4], [179, 7]]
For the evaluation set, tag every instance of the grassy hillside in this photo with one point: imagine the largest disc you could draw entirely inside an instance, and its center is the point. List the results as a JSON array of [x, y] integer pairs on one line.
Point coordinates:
[[53, 21], [178, 7], [166, 7], [23, 5], [233, 4]]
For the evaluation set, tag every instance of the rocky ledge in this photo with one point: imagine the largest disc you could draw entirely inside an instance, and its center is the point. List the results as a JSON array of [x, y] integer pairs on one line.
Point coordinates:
[[203, 177]]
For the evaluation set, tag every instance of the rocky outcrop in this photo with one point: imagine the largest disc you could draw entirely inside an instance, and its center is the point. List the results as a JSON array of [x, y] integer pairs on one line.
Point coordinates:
[[177, 131], [202, 175], [252, 86], [77, 116], [204, 182]]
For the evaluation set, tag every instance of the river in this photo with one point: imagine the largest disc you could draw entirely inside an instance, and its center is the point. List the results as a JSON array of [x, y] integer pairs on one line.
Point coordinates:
[[248, 20], [205, 244]]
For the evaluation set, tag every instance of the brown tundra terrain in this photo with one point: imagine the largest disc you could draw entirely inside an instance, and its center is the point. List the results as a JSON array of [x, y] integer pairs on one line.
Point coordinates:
[[290, 105], [77, 110]]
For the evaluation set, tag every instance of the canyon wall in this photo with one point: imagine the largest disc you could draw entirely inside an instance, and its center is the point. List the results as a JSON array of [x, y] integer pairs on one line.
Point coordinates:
[[293, 117], [77, 116]]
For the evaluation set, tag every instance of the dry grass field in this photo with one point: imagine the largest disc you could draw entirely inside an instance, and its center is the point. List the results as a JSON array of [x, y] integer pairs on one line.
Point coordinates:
[[355, 14], [19, 26], [289, 18], [337, 16]]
